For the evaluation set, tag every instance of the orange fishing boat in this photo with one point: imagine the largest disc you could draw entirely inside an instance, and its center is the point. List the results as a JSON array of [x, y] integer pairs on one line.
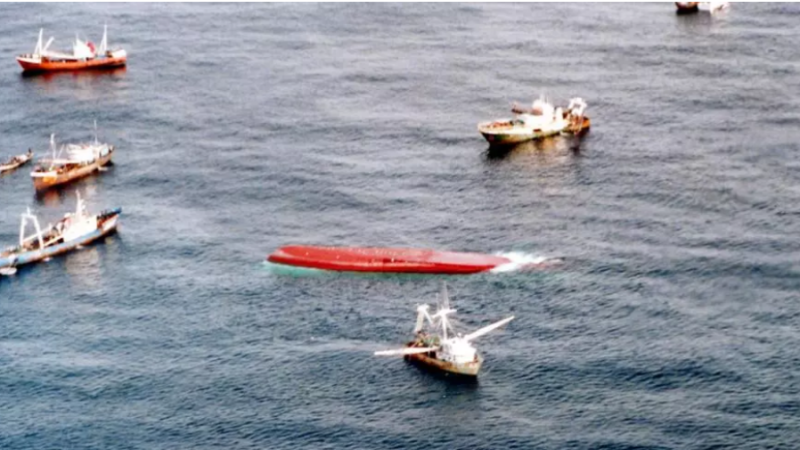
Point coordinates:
[[84, 56]]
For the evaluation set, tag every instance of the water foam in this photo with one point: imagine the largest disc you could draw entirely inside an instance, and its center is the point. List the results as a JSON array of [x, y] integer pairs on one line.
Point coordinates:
[[522, 260]]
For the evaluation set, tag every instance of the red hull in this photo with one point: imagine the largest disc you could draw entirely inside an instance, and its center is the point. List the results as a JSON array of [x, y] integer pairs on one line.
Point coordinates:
[[54, 66], [399, 260]]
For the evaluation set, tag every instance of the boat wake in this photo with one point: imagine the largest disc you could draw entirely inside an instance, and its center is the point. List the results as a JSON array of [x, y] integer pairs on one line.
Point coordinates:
[[525, 261]]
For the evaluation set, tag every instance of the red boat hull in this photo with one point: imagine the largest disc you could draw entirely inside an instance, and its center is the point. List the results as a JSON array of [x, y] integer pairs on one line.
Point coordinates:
[[55, 66], [397, 260]]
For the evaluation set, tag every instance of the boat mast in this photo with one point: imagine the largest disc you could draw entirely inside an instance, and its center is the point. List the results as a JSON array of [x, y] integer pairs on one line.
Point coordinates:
[[38, 50], [22, 230], [422, 313], [53, 147], [444, 327], [444, 311], [80, 207], [104, 42]]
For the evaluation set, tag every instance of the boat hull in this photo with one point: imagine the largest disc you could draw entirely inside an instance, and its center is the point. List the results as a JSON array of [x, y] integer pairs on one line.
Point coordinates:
[[394, 260], [512, 138], [41, 183], [109, 226], [15, 165], [470, 369], [686, 7], [497, 136], [693, 7], [34, 65]]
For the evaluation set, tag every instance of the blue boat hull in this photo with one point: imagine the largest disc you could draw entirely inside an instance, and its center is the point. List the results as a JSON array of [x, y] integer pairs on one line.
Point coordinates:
[[38, 255]]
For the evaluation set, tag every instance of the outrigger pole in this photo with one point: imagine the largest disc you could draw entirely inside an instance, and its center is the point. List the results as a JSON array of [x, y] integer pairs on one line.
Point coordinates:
[[26, 216]]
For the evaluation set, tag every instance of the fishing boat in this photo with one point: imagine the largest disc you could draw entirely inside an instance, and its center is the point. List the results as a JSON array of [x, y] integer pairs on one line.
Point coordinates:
[[16, 161], [397, 260], [83, 55], [71, 162], [541, 120], [438, 347], [68, 234], [693, 7]]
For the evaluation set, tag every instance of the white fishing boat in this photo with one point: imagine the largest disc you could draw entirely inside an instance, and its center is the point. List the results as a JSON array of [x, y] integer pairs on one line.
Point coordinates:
[[68, 234], [543, 119], [437, 346]]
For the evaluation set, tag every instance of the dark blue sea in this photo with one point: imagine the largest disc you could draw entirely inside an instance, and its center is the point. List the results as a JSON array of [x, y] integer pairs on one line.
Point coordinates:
[[672, 324]]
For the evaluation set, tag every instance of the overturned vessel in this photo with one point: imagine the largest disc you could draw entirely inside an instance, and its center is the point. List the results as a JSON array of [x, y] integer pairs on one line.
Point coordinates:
[[68, 234], [375, 259], [437, 346], [543, 119], [83, 55]]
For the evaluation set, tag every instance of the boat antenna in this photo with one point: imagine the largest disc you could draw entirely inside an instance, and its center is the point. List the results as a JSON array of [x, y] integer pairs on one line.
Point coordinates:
[[95, 132]]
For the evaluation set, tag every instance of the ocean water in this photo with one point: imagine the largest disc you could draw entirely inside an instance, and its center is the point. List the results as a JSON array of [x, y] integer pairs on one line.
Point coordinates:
[[672, 324]]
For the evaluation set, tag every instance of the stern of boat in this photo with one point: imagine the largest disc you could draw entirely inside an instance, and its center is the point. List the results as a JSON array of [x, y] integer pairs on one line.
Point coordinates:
[[44, 180], [115, 58], [579, 128], [109, 219], [686, 7], [469, 369]]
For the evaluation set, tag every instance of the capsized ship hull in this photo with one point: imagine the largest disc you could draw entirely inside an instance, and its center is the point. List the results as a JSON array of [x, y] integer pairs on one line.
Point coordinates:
[[397, 260]]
